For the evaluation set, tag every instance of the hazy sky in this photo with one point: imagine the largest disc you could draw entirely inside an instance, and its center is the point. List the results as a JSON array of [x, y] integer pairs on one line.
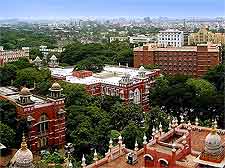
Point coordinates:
[[110, 8]]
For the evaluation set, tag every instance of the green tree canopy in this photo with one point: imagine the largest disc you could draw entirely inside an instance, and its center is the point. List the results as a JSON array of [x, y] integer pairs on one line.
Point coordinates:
[[7, 135]]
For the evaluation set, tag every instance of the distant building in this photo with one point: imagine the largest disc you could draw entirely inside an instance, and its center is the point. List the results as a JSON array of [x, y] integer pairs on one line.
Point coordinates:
[[171, 37], [204, 36], [185, 145], [45, 51], [130, 84], [111, 39], [141, 39], [187, 60], [45, 116], [13, 55]]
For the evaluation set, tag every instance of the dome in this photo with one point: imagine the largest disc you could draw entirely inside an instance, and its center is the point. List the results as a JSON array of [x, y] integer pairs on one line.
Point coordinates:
[[213, 143], [141, 68], [53, 57], [56, 86], [25, 91], [23, 157]]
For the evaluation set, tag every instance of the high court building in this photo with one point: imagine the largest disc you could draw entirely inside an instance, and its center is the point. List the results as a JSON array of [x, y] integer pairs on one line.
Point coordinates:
[[45, 116], [130, 84]]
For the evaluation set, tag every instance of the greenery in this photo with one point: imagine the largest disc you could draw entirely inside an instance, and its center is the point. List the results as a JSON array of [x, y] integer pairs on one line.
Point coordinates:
[[54, 157], [93, 56], [192, 97], [8, 113], [7, 135], [14, 39]]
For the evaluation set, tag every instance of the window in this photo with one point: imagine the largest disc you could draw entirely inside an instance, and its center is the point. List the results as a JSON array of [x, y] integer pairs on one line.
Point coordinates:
[[137, 96], [43, 123], [163, 163]]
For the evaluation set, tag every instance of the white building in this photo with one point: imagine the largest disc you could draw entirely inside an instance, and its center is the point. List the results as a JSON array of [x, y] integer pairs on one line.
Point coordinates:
[[171, 37], [140, 39], [111, 39]]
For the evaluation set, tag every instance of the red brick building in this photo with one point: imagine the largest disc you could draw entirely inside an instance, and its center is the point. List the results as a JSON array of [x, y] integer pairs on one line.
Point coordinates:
[[130, 84], [188, 60], [45, 116], [13, 55], [183, 146]]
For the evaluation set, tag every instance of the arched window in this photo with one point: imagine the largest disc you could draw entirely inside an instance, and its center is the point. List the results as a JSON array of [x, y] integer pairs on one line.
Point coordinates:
[[131, 94], [43, 123], [163, 163], [136, 96]]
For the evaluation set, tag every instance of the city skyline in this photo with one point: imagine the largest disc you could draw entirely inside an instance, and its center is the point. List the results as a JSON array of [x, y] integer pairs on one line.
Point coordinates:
[[59, 9]]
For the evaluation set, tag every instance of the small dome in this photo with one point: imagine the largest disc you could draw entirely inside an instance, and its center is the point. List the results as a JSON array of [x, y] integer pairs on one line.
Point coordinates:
[[23, 157], [25, 91], [213, 143], [53, 57], [141, 68], [56, 86]]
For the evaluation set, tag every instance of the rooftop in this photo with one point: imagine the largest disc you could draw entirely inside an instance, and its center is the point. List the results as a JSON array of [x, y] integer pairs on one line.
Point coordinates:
[[109, 75], [12, 93], [153, 47]]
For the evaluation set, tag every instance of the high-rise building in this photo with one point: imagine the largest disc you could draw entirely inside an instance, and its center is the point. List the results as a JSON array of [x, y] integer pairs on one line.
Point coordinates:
[[171, 37], [187, 60]]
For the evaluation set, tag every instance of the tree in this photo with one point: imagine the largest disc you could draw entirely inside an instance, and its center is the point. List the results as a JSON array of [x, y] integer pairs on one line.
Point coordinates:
[[121, 114], [75, 94], [131, 133], [28, 76], [7, 74], [7, 135], [88, 128], [216, 76], [34, 52], [8, 113], [153, 118], [201, 87], [22, 63]]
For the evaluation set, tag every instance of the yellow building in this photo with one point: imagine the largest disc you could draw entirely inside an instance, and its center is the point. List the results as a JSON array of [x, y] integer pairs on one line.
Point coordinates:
[[204, 36]]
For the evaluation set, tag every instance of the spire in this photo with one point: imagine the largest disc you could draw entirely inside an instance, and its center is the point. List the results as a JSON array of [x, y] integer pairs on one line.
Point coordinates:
[[173, 147], [110, 144], [213, 130], [120, 140], [144, 140], [181, 118], [23, 143], [95, 156], [83, 162], [136, 146], [160, 128], [153, 131], [189, 125], [215, 123], [196, 121], [176, 122]]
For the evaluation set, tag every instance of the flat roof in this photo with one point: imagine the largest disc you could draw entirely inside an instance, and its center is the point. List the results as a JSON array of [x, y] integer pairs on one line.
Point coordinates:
[[152, 47], [110, 75], [13, 94]]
